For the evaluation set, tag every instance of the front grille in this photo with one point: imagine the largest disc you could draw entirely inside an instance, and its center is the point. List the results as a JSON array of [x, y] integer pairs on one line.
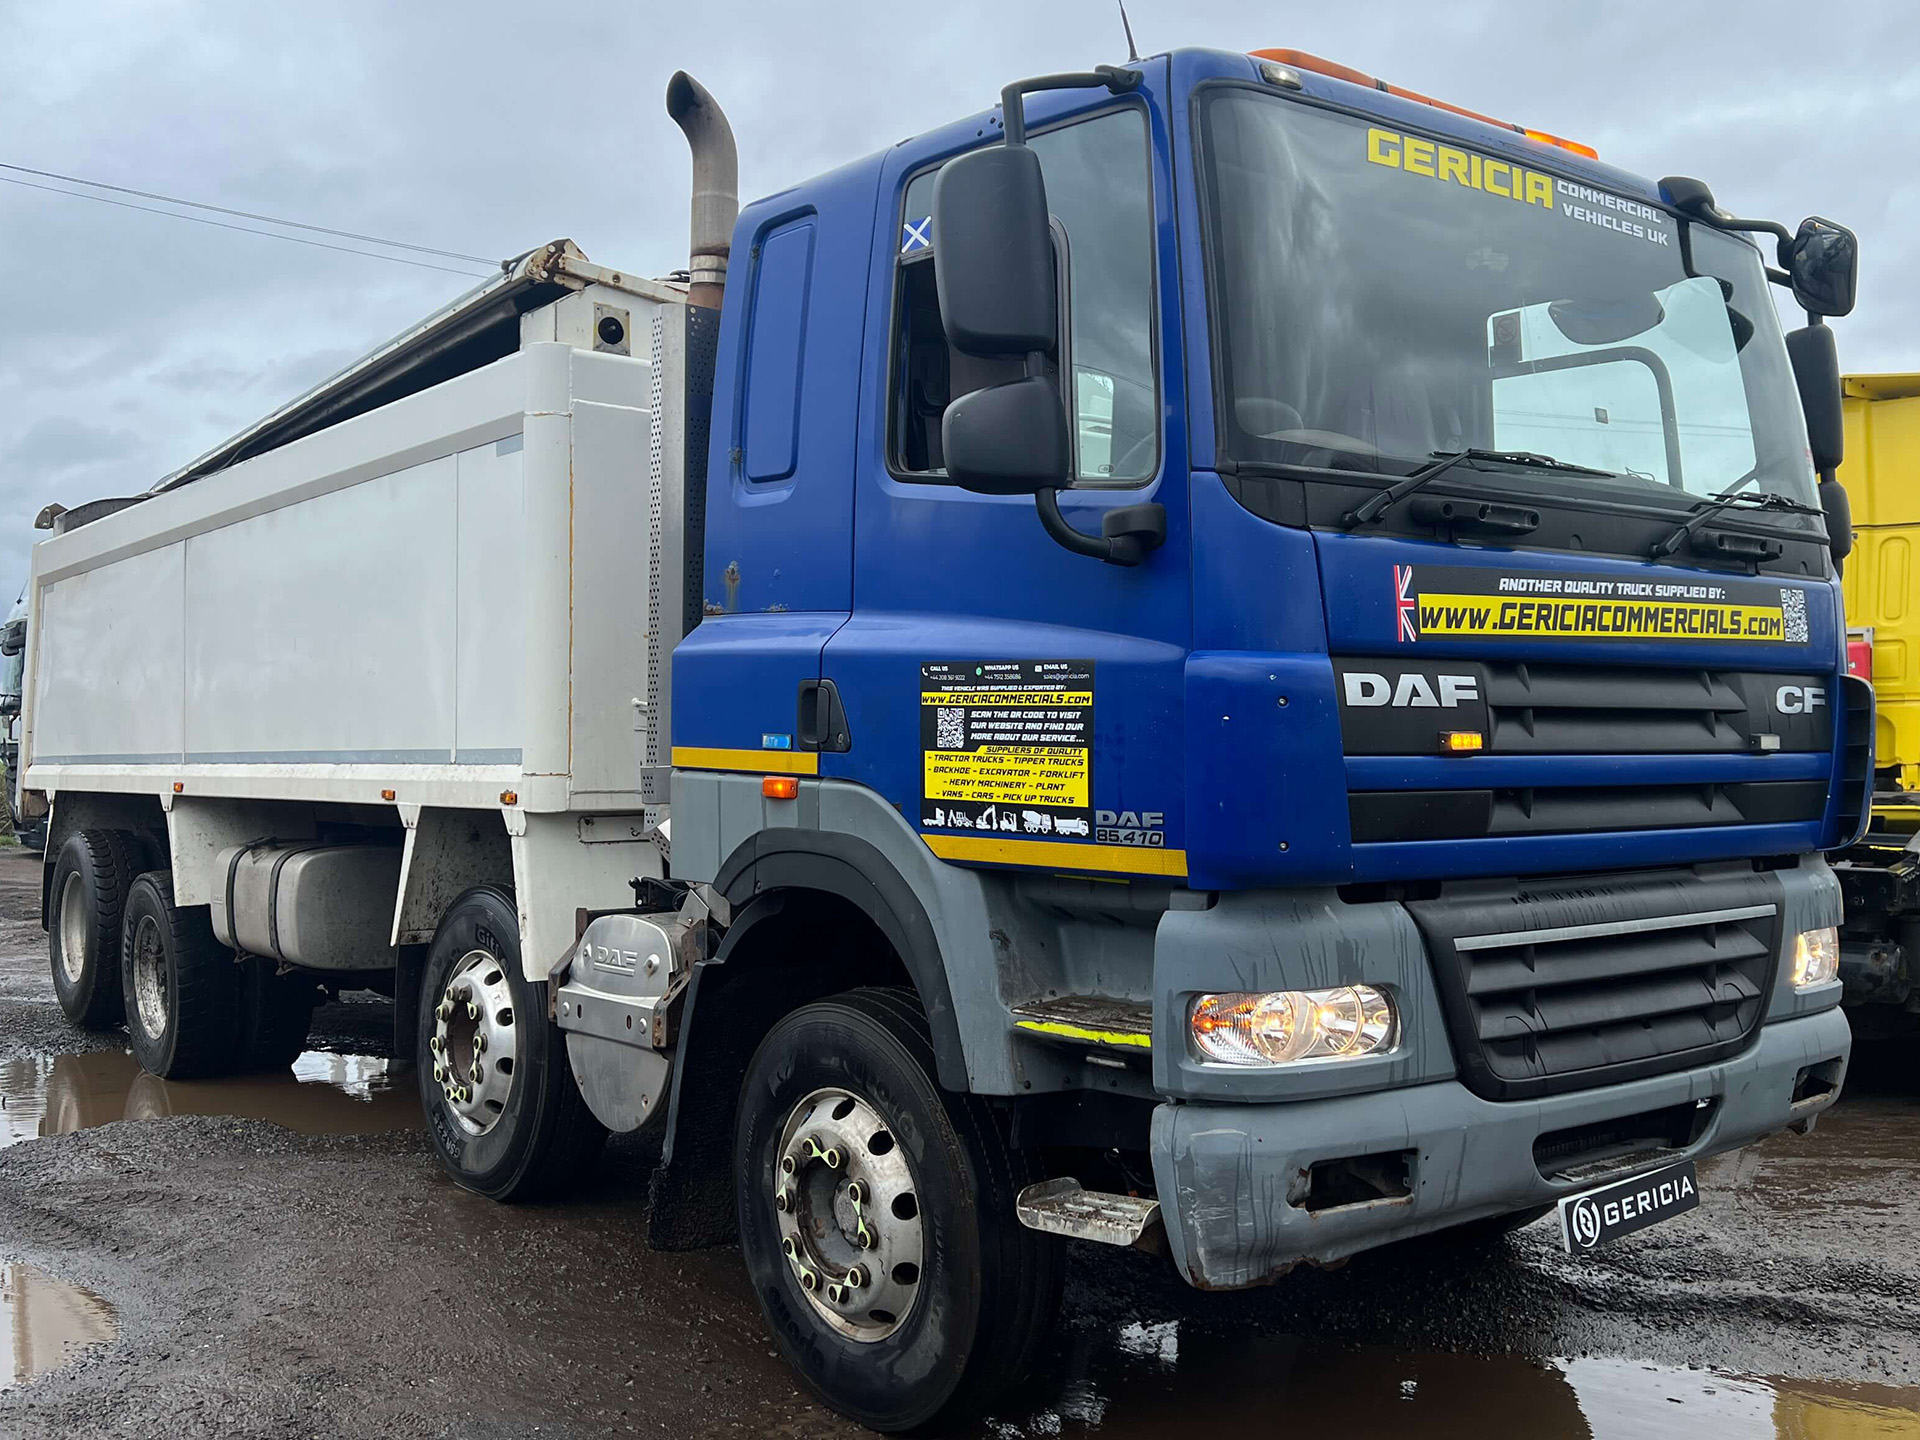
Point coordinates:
[[1551, 986], [1382, 815], [1393, 707]]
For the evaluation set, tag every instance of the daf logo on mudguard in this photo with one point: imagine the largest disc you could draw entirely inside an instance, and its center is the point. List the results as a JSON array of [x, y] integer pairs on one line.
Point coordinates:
[[1799, 699], [1412, 691]]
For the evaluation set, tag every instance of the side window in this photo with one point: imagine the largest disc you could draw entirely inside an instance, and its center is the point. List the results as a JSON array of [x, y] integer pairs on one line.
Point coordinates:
[[776, 339], [1097, 188]]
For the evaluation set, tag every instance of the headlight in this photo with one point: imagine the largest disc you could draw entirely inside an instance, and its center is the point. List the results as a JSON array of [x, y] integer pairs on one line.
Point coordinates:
[[1816, 958], [1282, 1026]]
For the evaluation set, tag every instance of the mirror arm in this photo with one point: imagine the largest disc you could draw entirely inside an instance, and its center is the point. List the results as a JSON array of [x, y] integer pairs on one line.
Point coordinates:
[[1127, 533], [1047, 502], [1117, 78]]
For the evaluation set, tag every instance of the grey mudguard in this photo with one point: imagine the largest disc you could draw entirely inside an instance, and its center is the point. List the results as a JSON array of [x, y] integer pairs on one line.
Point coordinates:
[[715, 814], [1293, 940]]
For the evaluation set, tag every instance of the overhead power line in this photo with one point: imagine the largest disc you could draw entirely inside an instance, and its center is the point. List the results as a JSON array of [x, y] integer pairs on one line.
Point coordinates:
[[247, 214], [243, 229]]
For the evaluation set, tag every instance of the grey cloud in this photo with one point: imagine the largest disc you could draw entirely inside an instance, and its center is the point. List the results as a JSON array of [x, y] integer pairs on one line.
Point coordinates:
[[488, 127], [61, 442]]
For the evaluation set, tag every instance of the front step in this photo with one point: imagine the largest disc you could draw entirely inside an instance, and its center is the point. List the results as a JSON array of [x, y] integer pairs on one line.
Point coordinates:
[[1097, 1020], [1064, 1207]]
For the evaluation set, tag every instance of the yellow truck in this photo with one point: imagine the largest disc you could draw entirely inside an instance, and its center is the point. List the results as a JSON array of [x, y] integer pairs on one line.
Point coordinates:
[[1880, 876]]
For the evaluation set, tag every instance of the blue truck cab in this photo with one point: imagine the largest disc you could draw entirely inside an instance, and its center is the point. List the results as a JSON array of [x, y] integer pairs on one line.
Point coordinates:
[[1310, 718]]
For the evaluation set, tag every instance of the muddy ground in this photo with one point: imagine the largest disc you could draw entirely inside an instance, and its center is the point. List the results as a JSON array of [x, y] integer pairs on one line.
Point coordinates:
[[284, 1259]]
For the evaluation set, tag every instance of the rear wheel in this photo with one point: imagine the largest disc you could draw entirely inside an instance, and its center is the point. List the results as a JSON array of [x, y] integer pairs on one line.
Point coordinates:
[[498, 1094], [89, 897], [182, 987], [877, 1219]]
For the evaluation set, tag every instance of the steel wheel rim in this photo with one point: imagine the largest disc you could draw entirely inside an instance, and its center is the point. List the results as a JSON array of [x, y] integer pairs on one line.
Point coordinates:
[[73, 927], [475, 1042], [149, 977], [847, 1209]]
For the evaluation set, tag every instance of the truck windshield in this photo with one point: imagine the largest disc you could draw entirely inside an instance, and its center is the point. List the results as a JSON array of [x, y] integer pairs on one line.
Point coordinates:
[[1384, 296]]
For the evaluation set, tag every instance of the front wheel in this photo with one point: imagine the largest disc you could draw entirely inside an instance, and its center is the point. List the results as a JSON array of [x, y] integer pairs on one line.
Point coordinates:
[[877, 1219], [499, 1098]]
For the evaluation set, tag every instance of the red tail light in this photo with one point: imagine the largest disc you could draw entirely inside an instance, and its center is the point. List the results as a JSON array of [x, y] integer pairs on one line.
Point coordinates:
[[1860, 656]]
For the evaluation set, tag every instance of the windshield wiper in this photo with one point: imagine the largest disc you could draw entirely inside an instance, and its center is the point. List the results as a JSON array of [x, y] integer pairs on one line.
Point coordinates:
[[1705, 510], [1374, 505]]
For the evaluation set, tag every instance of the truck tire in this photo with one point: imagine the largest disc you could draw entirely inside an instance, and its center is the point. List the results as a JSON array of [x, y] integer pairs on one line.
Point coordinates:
[[182, 987], [275, 1014], [497, 1091], [853, 1165], [88, 898]]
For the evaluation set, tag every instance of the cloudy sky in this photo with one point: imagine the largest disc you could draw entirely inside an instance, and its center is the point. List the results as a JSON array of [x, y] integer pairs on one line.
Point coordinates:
[[130, 343]]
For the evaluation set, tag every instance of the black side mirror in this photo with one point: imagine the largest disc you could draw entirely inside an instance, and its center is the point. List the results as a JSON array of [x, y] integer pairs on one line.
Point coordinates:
[[1823, 261], [1007, 439], [1816, 370], [995, 279], [994, 273]]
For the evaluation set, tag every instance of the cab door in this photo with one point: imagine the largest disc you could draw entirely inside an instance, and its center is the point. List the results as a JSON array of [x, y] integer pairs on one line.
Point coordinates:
[[1020, 704]]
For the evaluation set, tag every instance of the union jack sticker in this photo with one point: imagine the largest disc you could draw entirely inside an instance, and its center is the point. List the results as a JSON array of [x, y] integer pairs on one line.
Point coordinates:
[[1405, 603]]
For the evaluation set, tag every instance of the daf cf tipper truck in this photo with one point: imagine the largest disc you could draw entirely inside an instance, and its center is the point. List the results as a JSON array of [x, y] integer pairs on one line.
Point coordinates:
[[1221, 657]]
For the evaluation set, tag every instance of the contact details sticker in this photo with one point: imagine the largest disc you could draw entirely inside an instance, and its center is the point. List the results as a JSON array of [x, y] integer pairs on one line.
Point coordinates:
[[1006, 747], [1450, 602]]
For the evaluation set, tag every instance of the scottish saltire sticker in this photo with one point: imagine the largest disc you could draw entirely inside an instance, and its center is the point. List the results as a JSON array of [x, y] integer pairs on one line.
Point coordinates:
[[916, 235]]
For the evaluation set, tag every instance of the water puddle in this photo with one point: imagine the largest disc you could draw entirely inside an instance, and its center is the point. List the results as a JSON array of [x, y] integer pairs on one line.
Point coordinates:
[[1176, 1378], [45, 1322], [322, 1094]]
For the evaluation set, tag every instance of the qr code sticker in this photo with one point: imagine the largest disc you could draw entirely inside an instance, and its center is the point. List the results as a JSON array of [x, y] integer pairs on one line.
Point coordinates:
[[1793, 615], [950, 727]]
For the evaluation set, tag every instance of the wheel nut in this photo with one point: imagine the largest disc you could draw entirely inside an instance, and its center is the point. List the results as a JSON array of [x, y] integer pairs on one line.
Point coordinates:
[[473, 1011], [789, 1248], [856, 1192], [478, 1072], [831, 1157], [439, 1072], [444, 1010], [857, 1278], [809, 1281], [788, 1165], [783, 1202], [837, 1294], [866, 1236], [480, 1043]]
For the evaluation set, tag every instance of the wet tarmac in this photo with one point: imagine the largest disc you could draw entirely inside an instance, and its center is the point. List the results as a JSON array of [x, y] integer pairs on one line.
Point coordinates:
[[45, 1322], [282, 1257], [1141, 1381], [323, 1094]]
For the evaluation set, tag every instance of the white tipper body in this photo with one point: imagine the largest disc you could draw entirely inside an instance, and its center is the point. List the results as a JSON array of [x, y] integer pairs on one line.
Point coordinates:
[[461, 601]]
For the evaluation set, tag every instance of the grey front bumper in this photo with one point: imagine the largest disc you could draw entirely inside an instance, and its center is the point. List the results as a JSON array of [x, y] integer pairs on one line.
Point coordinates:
[[1224, 1171]]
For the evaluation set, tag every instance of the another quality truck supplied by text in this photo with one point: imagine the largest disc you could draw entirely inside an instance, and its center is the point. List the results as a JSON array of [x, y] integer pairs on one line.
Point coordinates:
[[1221, 657]]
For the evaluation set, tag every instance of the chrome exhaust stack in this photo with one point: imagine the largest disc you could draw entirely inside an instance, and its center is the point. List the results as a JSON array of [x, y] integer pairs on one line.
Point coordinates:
[[716, 184]]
